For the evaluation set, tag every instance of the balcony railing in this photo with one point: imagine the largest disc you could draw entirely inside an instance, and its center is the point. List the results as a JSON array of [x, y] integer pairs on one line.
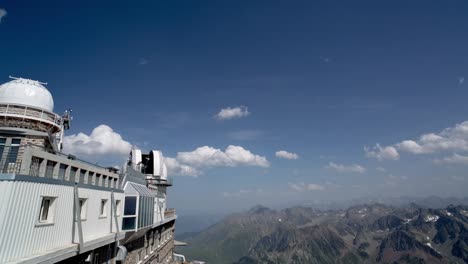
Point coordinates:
[[28, 111], [170, 212], [17, 115], [38, 161]]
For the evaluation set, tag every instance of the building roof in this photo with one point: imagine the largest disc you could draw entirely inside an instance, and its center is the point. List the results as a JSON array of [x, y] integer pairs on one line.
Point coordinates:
[[138, 189]]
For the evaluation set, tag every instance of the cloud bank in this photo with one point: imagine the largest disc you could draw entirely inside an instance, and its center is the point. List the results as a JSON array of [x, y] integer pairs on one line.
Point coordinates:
[[454, 159], [451, 139]]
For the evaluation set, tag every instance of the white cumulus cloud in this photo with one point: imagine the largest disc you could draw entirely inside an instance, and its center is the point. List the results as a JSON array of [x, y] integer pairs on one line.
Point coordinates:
[[286, 155], [382, 153], [175, 168], [346, 168], [233, 156], [102, 141], [301, 187], [451, 139], [231, 113], [193, 162], [3, 13]]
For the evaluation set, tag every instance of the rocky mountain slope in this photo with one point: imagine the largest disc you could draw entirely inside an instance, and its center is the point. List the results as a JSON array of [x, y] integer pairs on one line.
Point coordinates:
[[361, 234]]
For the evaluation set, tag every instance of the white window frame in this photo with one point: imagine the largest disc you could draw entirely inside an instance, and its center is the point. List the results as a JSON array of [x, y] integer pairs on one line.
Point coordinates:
[[103, 208], [137, 204], [50, 211]]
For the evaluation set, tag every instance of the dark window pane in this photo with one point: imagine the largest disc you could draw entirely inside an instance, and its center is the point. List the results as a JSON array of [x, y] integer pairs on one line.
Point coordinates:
[[44, 209], [128, 223], [16, 141], [130, 205]]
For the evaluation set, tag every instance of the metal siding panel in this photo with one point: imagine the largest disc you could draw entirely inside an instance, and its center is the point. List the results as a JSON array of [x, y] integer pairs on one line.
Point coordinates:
[[20, 237]]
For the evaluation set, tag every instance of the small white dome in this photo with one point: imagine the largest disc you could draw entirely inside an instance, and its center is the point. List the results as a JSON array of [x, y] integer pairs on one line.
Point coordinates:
[[26, 92]]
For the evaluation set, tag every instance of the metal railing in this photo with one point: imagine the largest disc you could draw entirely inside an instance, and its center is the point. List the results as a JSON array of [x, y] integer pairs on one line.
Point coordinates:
[[158, 181], [27, 111]]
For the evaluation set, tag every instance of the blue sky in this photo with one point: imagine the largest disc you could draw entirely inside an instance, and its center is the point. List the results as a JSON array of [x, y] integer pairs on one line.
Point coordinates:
[[321, 79]]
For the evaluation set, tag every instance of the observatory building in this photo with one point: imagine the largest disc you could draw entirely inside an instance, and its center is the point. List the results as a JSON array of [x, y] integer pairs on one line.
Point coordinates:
[[55, 207]]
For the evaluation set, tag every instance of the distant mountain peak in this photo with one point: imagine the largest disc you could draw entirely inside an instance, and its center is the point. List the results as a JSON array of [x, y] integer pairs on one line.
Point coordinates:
[[259, 209]]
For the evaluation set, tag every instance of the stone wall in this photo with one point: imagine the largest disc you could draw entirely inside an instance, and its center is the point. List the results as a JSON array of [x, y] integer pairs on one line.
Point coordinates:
[[155, 247]]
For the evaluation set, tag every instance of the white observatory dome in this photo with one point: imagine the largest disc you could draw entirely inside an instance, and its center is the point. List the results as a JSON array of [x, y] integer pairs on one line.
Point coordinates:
[[26, 92]]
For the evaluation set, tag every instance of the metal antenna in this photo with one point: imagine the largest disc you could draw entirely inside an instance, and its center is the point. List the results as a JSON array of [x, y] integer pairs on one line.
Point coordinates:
[[16, 78]]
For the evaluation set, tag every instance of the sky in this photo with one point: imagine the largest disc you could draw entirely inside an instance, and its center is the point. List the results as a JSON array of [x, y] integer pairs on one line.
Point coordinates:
[[258, 102]]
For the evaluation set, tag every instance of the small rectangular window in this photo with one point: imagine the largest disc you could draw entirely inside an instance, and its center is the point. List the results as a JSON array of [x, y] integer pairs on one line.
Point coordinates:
[[128, 223], [130, 205], [83, 204], [62, 171], [46, 212], [103, 212], [82, 176], [2, 145], [50, 169], [10, 161], [73, 173], [90, 177], [98, 180], [35, 166], [104, 180], [117, 207]]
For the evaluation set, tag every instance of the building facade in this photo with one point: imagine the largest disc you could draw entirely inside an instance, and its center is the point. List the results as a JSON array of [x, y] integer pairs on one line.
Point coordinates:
[[56, 208]]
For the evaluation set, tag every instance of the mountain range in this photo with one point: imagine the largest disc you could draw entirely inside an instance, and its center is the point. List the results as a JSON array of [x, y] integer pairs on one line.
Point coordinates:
[[368, 233]]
